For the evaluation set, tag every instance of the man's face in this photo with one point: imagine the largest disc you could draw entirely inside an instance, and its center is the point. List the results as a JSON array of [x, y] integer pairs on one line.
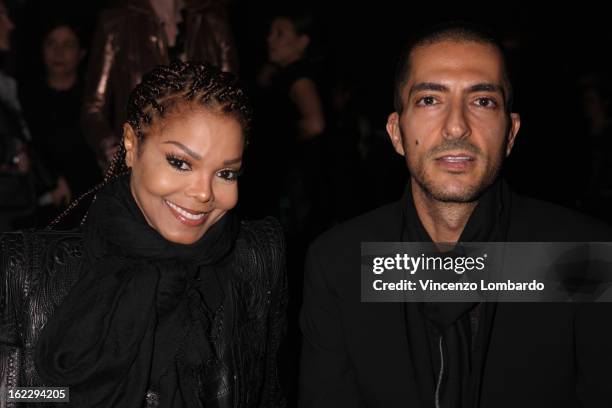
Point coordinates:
[[454, 130]]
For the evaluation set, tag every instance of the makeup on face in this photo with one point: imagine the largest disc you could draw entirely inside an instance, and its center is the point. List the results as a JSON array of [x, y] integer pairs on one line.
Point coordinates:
[[185, 176]]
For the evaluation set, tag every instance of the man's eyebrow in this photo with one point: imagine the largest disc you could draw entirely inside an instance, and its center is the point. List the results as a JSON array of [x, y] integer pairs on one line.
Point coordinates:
[[481, 87], [428, 86], [232, 161], [486, 87], [185, 149]]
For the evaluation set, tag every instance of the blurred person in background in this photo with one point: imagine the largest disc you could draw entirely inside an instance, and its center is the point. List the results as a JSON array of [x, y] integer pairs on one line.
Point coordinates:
[[51, 105], [292, 123], [132, 39], [289, 147], [17, 188]]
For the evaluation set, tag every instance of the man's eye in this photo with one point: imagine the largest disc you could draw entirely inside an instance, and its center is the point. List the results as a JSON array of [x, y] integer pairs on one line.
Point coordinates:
[[179, 164], [426, 101], [486, 103], [228, 175]]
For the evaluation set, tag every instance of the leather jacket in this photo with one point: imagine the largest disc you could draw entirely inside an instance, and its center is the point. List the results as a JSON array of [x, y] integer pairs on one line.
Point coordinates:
[[129, 42], [37, 269]]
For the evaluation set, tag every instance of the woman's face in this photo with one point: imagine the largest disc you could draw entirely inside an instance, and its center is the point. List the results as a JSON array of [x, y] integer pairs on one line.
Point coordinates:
[[184, 174], [6, 26], [62, 52], [284, 43]]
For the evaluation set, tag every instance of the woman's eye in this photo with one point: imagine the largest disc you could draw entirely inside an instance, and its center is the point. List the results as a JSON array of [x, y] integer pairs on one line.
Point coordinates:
[[486, 103], [179, 164], [426, 101], [228, 175]]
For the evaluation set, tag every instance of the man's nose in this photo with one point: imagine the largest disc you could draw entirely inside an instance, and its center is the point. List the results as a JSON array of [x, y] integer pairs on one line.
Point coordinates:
[[456, 125]]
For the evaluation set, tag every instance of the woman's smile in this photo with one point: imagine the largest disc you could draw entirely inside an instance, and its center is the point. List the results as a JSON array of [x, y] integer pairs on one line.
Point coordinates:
[[185, 216]]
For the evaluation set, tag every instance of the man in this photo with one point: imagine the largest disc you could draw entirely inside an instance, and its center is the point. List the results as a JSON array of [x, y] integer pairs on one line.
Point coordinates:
[[132, 39], [454, 126]]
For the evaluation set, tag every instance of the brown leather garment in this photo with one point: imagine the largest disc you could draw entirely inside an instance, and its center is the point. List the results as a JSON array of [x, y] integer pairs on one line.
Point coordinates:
[[130, 41]]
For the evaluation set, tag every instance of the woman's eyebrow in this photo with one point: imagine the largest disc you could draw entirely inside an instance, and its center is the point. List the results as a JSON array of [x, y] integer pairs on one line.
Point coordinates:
[[232, 161], [185, 149]]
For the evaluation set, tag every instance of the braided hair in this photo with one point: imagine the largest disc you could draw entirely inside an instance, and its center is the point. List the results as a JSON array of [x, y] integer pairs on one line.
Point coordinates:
[[163, 90]]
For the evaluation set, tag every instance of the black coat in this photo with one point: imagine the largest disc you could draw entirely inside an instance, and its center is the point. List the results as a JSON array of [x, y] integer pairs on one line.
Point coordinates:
[[37, 270], [537, 355]]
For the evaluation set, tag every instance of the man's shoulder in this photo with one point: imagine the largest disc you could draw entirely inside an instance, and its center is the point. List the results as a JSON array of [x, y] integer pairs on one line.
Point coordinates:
[[547, 219]]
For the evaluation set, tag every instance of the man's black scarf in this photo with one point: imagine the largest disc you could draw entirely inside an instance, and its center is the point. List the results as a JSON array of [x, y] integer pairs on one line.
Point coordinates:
[[141, 315], [435, 328]]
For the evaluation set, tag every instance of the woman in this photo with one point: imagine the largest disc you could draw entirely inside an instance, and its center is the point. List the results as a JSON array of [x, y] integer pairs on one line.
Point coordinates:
[[288, 42], [293, 123], [177, 304], [51, 107]]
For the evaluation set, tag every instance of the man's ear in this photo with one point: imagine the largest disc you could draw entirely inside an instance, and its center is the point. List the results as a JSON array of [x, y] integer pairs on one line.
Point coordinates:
[[515, 125], [395, 134], [130, 142]]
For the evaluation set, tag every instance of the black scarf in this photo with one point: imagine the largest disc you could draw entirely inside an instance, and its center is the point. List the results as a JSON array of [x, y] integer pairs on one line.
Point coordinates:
[[142, 315], [446, 327]]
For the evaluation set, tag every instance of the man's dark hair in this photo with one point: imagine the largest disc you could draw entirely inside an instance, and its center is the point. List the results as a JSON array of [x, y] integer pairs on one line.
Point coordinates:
[[453, 31]]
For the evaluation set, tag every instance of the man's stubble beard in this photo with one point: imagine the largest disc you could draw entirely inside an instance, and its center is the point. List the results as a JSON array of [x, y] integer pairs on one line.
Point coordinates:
[[467, 194]]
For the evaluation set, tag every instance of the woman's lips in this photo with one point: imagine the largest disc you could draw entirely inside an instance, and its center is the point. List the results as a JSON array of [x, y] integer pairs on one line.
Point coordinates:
[[185, 216]]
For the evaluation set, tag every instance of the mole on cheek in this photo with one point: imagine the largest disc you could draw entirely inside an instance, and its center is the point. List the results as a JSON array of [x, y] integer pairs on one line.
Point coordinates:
[[416, 142]]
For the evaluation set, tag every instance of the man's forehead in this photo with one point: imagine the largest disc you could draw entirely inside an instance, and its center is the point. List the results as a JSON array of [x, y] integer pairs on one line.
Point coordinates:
[[456, 63]]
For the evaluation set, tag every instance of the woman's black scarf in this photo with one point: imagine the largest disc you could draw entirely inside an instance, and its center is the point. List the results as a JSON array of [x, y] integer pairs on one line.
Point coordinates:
[[141, 315], [428, 322]]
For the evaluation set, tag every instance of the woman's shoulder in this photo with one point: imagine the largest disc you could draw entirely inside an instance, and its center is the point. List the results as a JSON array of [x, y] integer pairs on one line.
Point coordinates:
[[18, 249], [286, 77], [302, 68], [38, 267], [267, 229], [261, 246], [40, 236]]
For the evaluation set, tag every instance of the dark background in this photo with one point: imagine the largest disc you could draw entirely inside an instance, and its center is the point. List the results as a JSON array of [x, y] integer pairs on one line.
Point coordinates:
[[550, 50]]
